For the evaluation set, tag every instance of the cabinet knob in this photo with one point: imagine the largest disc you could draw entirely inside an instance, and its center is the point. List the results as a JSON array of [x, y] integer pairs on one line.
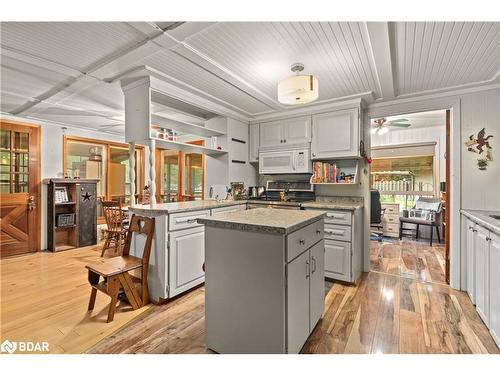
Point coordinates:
[[314, 154], [302, 242], [284, 140], [488, 239], [318, 231]]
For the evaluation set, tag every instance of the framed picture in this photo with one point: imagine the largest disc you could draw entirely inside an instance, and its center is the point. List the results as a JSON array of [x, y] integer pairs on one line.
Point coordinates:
[[61, 194]]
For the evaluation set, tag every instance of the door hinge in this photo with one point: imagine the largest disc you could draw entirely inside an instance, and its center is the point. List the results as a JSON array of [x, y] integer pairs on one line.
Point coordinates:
[[167, 289], [168, 245]]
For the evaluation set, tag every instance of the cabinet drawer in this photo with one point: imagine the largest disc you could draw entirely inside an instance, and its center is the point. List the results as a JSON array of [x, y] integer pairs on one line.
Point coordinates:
[[338, 217], [238, 207], [303, 239], [338, 232], [185, 220], [391, 227], [391, 209], [391, 219]]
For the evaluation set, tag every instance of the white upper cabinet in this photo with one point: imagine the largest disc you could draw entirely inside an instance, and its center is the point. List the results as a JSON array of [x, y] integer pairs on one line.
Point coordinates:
[[288, 132], [335, 135], [254, 141]]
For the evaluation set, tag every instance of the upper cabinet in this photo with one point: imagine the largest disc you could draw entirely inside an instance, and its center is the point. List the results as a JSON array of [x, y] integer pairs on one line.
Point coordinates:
[[253, 147], [288, 132], [335, 135]]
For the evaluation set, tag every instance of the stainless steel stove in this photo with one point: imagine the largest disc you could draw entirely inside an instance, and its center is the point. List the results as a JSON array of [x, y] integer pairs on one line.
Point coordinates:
[[296, 192]]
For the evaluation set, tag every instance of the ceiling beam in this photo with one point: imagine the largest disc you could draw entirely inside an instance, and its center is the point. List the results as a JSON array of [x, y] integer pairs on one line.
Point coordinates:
[[381, 36]]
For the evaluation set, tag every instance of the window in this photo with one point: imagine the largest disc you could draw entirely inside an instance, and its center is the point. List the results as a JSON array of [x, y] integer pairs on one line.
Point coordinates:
[[106, 161], [14, 161], [182, 175]]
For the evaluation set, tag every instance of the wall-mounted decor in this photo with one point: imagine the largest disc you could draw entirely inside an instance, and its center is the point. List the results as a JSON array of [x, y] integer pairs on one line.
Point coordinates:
[[479, 145]]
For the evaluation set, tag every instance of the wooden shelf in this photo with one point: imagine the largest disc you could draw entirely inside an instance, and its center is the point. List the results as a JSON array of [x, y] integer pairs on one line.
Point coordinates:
[[186, 147], [65, 203], [184, 127], [349, 165]]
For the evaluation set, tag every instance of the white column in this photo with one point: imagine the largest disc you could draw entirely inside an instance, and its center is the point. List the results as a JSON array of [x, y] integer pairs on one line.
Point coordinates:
[[152, 173], [131, 152]]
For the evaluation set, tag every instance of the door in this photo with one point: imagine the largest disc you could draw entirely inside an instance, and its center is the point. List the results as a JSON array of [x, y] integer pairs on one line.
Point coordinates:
[[19, 188], [186, 258], [297, 130], [471, 232], [317, 284], [271, 133], [338, 260], [481, 270], [87, 214], [335, 135], [298, 272], [495, 287]]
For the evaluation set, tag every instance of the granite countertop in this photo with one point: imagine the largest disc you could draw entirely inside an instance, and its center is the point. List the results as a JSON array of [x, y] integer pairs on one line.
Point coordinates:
[[175, 207], [267, 220], [482, 218], [335, 203]]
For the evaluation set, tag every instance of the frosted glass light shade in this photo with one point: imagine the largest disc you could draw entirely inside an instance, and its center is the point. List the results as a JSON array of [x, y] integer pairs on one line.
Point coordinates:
[[298, 90]]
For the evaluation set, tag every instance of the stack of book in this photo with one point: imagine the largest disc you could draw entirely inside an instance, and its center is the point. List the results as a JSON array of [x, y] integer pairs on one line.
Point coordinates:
[[324, 172]]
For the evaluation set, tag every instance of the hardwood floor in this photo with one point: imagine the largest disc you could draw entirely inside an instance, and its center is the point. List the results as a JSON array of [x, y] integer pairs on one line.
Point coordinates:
[[409, 259], [383, 314], [44, 297]]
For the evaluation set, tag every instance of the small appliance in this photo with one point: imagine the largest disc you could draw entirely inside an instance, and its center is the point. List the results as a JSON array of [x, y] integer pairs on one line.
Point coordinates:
[[256, 192], [218, 192], [286, 161]]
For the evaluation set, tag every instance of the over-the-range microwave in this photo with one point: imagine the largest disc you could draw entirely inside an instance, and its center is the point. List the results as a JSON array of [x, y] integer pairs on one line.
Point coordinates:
[[287, 161]]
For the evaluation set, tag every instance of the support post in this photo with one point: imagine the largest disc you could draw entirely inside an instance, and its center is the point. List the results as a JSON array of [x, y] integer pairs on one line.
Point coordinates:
[[131, 152], [152, 173]]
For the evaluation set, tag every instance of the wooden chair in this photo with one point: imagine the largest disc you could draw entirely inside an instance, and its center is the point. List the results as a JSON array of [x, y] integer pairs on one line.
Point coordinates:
[[115, 271], [116, 231]]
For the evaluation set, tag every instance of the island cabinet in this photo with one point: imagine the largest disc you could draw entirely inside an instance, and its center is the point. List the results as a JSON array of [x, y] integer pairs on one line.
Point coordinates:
[[335, 135], [178, 251], [264, 285]]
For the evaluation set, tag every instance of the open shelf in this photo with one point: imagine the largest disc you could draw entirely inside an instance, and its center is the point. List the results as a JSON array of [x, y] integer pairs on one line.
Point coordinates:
[[186, 147], [184, 127], [65, 227], [348, 166], [65, 203]]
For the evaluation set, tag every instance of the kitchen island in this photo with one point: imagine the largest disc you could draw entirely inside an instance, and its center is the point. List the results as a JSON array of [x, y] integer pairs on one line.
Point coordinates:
[[177, 253], [264, 281]]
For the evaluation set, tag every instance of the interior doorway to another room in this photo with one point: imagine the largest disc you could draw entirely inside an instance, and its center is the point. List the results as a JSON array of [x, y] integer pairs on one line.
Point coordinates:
[[410, 194]]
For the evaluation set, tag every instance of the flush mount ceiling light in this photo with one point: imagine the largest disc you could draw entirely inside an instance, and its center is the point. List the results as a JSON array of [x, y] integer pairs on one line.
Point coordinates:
[[298, 89]]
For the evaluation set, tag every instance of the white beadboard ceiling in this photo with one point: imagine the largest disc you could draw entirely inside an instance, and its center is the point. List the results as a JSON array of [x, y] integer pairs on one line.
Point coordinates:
[[60, 71]]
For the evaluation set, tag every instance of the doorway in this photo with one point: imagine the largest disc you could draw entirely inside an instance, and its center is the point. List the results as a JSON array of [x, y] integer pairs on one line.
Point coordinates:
[[409, 177], [19, 188]]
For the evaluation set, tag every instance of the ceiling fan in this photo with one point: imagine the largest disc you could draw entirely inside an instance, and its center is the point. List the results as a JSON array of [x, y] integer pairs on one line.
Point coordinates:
[[381, 125]]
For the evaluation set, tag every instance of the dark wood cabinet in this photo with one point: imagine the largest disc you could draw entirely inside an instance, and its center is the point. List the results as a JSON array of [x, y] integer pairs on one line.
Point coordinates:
[[72, 220]]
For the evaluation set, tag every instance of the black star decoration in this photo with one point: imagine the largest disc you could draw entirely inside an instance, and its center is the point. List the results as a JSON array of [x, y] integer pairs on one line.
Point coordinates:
[[86, 196]]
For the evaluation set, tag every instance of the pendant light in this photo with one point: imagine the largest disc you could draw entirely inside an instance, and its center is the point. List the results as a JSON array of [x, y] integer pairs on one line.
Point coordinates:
[[298, 89]]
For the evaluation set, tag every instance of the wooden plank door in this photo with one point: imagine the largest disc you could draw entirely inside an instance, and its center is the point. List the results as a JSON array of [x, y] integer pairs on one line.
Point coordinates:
[[19, 188]]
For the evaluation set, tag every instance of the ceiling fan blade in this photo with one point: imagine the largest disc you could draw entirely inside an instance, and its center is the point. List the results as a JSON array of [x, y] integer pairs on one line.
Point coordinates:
[[399, 120], [399, 125]]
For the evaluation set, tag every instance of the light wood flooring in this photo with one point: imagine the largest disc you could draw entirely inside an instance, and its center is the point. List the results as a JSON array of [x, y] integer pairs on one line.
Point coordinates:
[[409, 258], [44, 297], [383, 314]]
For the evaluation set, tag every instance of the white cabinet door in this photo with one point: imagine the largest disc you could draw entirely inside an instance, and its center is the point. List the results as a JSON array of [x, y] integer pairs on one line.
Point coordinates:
[[253, 151], [471, 233], [271, 133], [338, 260], [335, 135], [186, 257], [317, 284], [297, 130], [298, 302], [481, 283], [495, 287]]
